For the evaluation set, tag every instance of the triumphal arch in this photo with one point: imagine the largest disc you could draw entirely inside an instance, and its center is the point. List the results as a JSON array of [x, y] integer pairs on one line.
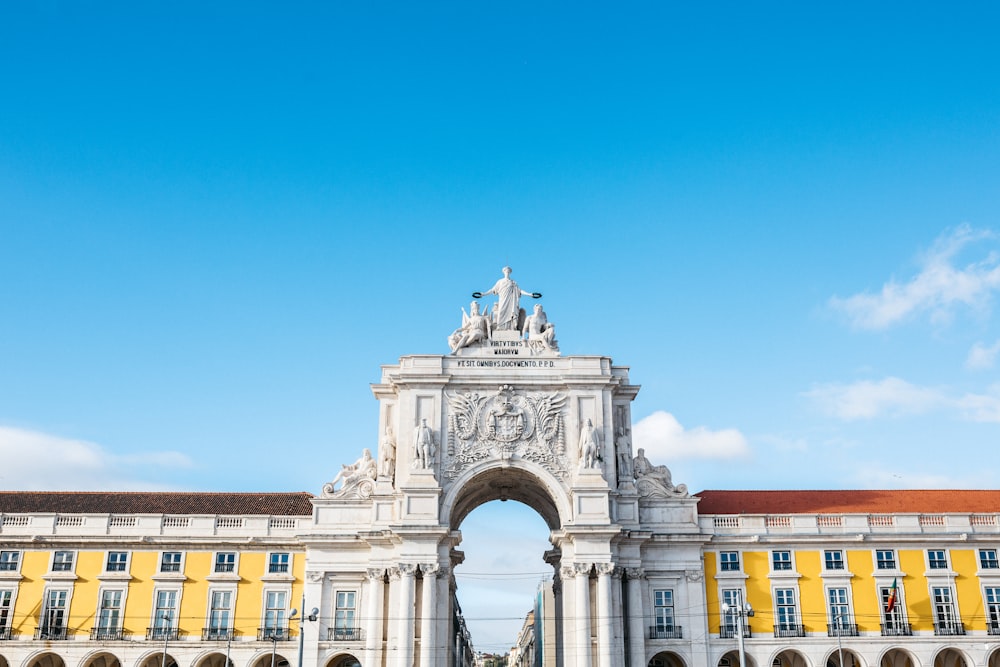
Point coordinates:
[[504, 415]]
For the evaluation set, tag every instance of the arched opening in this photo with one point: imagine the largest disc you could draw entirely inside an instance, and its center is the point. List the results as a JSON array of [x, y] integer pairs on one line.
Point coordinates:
[[789, 658], [270, 659], [951, 657], [666, 659], [3, 661], [993, 660], [156, 660], [897, 657], [214, 659], [346, 660], [845, 657], [732, 659], [102, 659], [46, 660]]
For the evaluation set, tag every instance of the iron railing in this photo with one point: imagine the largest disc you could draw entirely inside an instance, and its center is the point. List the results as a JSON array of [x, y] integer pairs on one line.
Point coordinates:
[[897, 630], [949, 628], [163, 634], [216, 634], [54, 632], [109, 634], [842, 630], [730, 631], [789, 630], [343, 634], [273, 635], [666, 632]]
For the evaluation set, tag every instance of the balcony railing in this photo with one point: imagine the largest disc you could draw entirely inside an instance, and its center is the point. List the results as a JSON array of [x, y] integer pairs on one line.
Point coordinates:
[[789, 630], [216, 634], [949, 628], [52, 632], [666, 632], [842, 630], [163, 634], [730, 631], [993, 627], [897, 630], [109, 634], [4, 633], [273, 635], [343, 634]]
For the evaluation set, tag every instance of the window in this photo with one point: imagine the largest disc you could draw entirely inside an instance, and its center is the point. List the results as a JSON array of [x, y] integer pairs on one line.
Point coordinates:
[[52, 624], [274, 614], [729, 561], [781, 560], [834, 560], [109, 615], [225, 561], [277, 563], [988, 559], [937, 559], [885, 559], [663, 610], [991, 593], [62, 561], [343, 616], [220, 610], [732, 602], [785, 613], [170, 561], [164, 614], [6, 602], [945, 618], [839, 609], [9, 560], [117, 561], [893, 610]]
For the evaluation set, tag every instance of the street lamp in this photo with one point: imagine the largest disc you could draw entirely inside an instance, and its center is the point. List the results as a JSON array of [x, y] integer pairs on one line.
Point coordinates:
[[839, 618], [166, 635], [740, 611], [313, 614]]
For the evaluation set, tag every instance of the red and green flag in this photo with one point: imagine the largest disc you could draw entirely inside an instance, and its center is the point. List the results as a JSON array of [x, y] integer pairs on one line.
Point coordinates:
[[893, 597]]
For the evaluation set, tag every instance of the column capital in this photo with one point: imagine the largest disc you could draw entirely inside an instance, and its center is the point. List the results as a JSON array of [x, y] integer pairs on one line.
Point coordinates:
[[429, 569], [443, 572], [375, 574], [604, 569], [583, 568], [635, 573], [567, 572], [394, 573], [407, 569]]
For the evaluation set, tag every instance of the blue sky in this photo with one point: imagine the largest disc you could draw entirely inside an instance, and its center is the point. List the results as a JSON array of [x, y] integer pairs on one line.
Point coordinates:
[[216, 222]]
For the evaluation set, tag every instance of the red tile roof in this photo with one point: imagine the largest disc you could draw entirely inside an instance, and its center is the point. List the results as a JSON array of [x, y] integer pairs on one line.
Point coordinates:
[[100, 502], [935, 501]]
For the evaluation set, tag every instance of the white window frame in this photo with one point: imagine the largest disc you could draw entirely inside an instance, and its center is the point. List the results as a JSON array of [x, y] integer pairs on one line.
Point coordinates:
[[274, 619], [125, 564], [991, 604], [8, 595], [13, 562], [777, 593], [235, 565], [945, 612], [726, 566], [896, 619], [271, 555], [213, 615], [63, 565], [157, 624], [100, 626], [834, 557], [179, 564], [842, 604], [730, 620], [990, 562], [45, 617], [662, 610], [931, 561], [878, 561], [788, 565], [345, 617]]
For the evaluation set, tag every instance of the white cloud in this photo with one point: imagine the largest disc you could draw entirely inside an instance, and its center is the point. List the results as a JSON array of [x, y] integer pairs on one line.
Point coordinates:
[[936, 289], [42, 462], [867, 399], [982, 357], [664, 438], [893, 397]]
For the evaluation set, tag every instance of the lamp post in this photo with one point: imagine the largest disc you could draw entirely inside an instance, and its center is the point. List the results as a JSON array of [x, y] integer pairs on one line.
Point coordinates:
[[166, 636], [313, 614], [840, 629], [740, 610]]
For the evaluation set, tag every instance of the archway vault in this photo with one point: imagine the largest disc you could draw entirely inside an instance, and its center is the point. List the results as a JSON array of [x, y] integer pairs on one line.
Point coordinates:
[[507, 480]]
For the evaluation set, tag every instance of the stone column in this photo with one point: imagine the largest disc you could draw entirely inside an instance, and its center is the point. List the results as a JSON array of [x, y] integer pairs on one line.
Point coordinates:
[[618, 619], [605, 613], [373, 624], [584, 656], [636, 629], [404, 623], [428, 608]]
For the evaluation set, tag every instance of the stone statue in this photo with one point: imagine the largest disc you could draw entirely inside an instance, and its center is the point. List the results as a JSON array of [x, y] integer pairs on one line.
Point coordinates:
[[507, 312], [590, 446], [423, 446], [539, 331], [354, 474], [475, 328], [643, 469], [387, 456], [623, 446]]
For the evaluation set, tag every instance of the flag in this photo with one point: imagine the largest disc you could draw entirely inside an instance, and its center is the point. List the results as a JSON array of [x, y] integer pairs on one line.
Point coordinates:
[[893, 596]]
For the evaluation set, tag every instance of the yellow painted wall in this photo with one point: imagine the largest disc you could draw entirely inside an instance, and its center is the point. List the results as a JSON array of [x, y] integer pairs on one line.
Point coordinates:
[[812, 594], [29, 596], [919, 611], [864, 592], [139, 603], [711, 565], [967, 588], [757, 564]]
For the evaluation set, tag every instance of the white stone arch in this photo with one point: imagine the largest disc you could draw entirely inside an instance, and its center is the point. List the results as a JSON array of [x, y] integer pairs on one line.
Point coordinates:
[[515, 479], [833, 657], [734, 652], [147, 657], [336, 657], [801, 661], [906, 653], [204, 658], [47, 654], [675, 657], [90, 659], [947, 662], [263, 658]]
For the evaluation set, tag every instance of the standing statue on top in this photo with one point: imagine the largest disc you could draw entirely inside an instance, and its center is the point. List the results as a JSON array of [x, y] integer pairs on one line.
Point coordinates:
[[507, 314], [590, 446]]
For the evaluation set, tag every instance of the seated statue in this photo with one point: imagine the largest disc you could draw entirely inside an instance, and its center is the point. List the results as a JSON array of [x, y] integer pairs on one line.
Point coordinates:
[[475, 329], [352, 475], [539, 331], [654, 480]]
